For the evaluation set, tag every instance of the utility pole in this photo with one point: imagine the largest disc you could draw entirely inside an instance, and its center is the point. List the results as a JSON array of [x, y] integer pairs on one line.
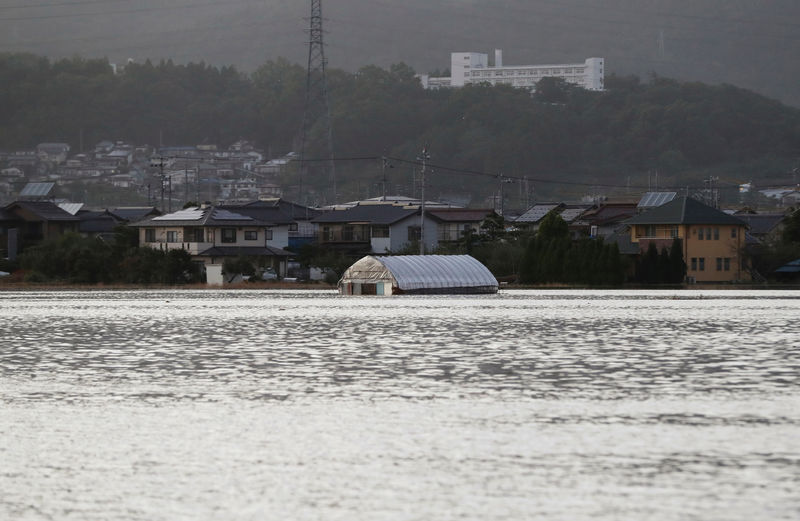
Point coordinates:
[[159, 163], [384, 164], [316, 103], [503, 180], [423, 157]]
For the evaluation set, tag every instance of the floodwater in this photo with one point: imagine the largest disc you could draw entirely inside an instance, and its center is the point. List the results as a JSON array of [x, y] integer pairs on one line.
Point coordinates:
[[252, 405]]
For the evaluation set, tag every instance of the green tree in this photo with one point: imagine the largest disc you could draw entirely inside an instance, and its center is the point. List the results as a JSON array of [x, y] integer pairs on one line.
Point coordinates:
[[791, 228], [677, 265]]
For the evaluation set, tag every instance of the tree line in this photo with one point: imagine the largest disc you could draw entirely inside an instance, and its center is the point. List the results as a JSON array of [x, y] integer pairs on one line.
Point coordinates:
[[75, 259], [682, 130]]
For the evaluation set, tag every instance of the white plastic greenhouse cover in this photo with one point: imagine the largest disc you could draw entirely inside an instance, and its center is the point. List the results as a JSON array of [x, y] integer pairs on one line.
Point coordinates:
[[414, 272]]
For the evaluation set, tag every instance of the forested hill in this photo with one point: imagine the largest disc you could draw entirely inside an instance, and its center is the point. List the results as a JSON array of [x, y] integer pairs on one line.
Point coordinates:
[[560, 136], [750, 44]]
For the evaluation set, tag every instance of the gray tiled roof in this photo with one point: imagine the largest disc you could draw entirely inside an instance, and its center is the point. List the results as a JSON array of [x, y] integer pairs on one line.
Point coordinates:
[[135, 213], [685, 210], [460, 214], [98, 222], [374, 214], [761, 224], [45, 210]]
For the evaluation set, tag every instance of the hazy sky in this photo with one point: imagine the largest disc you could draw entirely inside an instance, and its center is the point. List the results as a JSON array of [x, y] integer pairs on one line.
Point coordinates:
[[754, 44]]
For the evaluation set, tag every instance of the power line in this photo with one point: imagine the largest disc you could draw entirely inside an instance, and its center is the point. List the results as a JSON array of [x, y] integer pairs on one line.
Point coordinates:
[[62, 4], [127, 11]]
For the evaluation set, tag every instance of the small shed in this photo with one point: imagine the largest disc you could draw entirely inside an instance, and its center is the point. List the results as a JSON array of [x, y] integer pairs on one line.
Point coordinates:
[[417, 274]]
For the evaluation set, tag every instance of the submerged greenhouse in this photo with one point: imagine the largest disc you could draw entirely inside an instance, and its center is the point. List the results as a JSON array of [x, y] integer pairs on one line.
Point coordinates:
[[417, 274]]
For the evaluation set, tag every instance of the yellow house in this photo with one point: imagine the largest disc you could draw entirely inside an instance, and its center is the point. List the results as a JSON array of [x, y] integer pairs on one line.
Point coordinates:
[[713, 241]]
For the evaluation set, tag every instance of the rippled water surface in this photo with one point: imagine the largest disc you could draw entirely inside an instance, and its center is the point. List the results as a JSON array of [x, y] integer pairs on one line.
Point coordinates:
[[163, 405]]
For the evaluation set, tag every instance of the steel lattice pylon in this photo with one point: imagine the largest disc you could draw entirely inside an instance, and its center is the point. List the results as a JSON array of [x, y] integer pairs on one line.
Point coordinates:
[[316, 113]]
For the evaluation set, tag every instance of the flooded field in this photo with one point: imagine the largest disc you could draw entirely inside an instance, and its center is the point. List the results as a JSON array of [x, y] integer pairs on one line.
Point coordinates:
[[566, 405]]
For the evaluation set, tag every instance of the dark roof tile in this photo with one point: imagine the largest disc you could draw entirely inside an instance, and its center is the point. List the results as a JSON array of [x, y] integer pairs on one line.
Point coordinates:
[[685, 210], [373, 214]]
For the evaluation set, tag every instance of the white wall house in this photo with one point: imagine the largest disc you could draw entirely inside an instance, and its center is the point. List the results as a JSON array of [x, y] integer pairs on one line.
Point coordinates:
[[473, 68], [211, 233]]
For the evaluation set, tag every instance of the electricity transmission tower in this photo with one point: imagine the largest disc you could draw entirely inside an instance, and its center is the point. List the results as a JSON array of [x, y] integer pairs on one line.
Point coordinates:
[[316, 113]]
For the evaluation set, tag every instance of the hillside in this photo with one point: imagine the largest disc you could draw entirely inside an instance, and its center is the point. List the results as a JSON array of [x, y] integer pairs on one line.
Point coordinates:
[[563, 142], [753, 45]]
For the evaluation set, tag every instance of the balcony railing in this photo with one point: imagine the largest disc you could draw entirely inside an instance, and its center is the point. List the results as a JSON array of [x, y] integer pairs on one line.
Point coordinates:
[[341, 236]]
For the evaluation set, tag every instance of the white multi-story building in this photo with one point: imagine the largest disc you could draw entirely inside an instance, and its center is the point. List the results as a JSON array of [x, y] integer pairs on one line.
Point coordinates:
[[473, 68]]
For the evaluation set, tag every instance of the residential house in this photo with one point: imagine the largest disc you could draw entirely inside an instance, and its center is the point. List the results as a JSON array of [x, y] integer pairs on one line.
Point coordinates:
[[211, 234], [382, 228], [765, 229], [571, 213], [291, 223], [24, 159], [531, 219], [6, 188], [12, 173], [713, 241], [52, 152], [454, 223], [787, 196], [100, 223], [26, 223], [606, 219], [375, 228]]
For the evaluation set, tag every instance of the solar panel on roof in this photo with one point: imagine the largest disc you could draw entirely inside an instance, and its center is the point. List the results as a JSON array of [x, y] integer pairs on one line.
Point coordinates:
[[225, 215], [653, 199], [187, 214], [570, 214], [36, 189], [71, 208], [536, 213]]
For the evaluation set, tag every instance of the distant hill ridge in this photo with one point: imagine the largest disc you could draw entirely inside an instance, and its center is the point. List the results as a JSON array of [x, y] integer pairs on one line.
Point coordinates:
[[753, 45]]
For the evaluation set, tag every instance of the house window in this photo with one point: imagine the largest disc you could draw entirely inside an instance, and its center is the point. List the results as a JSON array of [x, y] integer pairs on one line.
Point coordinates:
[[716, 234], [694, 263], [380, 232], [648, 230], [228, 235], [268, 233], [172, 236], [292, 227], [327, 234], [719, 263], [700, 234], [702, 262], [347, 233], [251, 235], [673, 232], [708, 234], [210, 236], [733, 233], [149, 235], [727, 263], [193, 234], [414, 233]]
